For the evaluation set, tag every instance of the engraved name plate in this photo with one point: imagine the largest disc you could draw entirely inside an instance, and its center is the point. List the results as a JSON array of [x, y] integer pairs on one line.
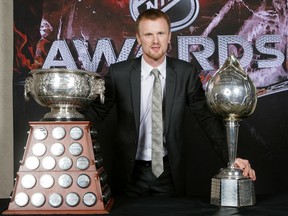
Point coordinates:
[[83, 181], [76, 133], [28, 181], [65, 180], [65, 163], [40, 133], [55, 200], [75, 149], [58, 133], [38, 199], [57, 149], [39, 149], [89, 199]]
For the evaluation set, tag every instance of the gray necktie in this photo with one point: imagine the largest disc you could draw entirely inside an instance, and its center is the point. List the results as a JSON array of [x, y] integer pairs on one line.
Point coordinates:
[[157, 126]]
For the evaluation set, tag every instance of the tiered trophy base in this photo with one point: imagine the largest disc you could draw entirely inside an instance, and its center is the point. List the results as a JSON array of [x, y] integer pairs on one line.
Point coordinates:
[[231, 189], [61, 172]]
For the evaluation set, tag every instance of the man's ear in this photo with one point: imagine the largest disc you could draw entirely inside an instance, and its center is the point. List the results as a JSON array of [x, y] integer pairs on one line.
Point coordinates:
[[138, 39]]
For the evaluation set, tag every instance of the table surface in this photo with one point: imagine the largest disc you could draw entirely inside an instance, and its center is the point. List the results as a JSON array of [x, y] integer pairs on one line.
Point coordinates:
[[270, 205]]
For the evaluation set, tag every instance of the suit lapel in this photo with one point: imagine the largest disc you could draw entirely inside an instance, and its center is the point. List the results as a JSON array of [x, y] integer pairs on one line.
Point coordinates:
[[135, 83], [170, 91]]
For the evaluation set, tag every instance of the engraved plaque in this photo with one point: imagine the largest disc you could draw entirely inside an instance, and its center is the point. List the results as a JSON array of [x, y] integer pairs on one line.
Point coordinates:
[[55, 200], [103, 178], [28, 181], [57, 149], [58, 133], [32, 163], [99, 160], [107, 194], [48, 163], [96, 147], [65, 163], [75, 149], [39, 149], [72, 199], [89, 199], [65, 181], [83, 181], [46, 181], [76, 133], [40, 133], [37, 199], [58, 175], [21, 199], [82, 163]]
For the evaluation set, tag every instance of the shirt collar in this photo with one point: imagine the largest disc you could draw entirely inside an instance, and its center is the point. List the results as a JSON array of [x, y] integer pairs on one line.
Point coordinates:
[[146, 68]]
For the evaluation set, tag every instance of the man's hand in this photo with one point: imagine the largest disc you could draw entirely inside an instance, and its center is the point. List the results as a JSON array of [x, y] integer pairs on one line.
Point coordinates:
[[246, 167]]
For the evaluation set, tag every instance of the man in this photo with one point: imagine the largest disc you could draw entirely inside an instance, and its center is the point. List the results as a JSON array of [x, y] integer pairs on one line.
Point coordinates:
[[129, 86]]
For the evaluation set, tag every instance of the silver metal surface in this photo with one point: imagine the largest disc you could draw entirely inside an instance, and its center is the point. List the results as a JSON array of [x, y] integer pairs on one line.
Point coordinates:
[[82, 163], [89, 199], [76, 133], [65, 163], [57, 149], [83, 181], [39, 149], [231, 95], [21, 199], [38, 199], [65, 181], [64, 90], [28, 181], [46, 181], [72, 199], [58, 133], [48, 163], [40, 133], [32, 162], [55, 200], [75, 149]]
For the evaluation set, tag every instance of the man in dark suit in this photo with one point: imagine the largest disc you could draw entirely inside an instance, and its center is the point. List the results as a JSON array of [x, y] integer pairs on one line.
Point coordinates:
[[129, 86]]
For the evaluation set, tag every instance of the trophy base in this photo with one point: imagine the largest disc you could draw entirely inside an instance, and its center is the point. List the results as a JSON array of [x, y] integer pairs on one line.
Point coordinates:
[[62, 172], [232, 192]]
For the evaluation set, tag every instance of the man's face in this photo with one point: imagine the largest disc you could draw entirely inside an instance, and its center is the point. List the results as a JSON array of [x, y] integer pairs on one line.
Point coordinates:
[[153, 36]]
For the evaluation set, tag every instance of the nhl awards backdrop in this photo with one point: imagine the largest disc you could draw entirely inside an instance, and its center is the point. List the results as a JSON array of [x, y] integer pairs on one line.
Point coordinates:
[[93, 34]]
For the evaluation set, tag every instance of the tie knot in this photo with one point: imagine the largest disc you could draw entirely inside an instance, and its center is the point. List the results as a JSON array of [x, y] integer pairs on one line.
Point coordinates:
[[155, 72]]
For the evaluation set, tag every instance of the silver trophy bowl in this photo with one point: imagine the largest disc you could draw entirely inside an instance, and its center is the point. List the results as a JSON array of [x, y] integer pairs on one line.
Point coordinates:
[[64, 90], [231, 95]]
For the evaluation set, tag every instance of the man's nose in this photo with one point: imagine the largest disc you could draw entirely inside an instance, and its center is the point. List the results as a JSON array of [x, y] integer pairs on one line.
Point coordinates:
[[155, 39]]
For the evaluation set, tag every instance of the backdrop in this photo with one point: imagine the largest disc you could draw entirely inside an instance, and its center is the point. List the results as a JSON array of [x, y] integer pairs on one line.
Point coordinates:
[[92, 34]]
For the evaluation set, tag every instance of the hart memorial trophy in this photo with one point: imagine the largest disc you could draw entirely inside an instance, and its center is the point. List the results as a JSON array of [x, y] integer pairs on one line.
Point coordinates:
[[231, 94]]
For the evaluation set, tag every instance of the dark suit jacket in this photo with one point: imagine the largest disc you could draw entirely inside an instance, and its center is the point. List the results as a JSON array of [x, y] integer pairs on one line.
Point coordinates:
[[183, 88]]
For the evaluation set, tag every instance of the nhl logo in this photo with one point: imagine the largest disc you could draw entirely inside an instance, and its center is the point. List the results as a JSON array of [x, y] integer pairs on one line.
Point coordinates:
[[182, 13]]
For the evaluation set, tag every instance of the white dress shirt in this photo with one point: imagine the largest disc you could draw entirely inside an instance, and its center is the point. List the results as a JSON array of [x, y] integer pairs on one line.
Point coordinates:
[[145, 132]]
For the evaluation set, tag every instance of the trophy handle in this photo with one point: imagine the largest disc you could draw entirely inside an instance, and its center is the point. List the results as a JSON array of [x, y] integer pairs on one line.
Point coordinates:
[[28, 87], [97, 88]]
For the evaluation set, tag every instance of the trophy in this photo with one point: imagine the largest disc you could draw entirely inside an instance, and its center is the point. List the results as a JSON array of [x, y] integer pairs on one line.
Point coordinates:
[[62, 168], [231, 95], [64, 90]]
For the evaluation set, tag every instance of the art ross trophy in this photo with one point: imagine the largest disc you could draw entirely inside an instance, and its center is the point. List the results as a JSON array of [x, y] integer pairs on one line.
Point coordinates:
[[62, 168], [231, 94]]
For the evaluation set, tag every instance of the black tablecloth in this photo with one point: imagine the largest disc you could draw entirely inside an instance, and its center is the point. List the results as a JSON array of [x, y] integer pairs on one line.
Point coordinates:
[[266, 205]]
